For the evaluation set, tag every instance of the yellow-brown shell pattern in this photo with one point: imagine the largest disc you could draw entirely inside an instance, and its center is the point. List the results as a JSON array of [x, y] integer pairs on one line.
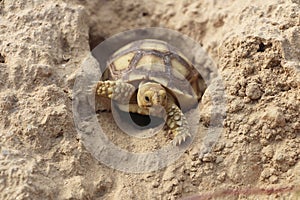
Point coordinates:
[[157, 61]]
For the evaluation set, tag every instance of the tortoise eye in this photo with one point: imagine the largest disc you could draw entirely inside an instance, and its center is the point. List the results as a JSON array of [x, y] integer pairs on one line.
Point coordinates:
[[147, 98]]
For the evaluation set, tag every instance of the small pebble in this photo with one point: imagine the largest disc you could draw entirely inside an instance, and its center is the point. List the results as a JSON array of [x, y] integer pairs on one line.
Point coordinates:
[[253, 91]]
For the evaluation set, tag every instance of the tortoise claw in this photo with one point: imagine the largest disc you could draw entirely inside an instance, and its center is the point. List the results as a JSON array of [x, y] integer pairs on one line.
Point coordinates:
[[181, 138]]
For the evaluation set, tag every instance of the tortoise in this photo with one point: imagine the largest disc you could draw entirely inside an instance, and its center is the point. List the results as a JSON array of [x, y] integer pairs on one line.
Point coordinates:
[[151, 77]]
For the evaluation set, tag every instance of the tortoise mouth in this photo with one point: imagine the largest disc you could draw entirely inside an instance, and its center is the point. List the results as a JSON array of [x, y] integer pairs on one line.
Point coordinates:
[[153, 106], [156, 105]]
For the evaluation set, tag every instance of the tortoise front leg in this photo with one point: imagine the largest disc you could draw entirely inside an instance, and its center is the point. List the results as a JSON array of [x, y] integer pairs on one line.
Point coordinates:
[[177, 124], [116, 90]]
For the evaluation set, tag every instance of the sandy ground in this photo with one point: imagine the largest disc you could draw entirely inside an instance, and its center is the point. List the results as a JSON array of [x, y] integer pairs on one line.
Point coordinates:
[[256, 48]]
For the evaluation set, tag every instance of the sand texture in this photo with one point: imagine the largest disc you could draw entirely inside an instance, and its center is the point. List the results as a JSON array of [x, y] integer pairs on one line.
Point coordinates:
[[256, 48]]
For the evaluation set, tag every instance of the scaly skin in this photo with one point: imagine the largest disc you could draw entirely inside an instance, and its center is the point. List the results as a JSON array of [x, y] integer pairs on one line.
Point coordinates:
[[177, 123], [116, 90]]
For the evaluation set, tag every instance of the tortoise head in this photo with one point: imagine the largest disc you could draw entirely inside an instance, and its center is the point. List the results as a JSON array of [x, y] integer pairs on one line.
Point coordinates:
[[151, 95]]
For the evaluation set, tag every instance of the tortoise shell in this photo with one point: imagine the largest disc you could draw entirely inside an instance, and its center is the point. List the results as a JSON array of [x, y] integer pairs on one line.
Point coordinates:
[[157, 61]]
